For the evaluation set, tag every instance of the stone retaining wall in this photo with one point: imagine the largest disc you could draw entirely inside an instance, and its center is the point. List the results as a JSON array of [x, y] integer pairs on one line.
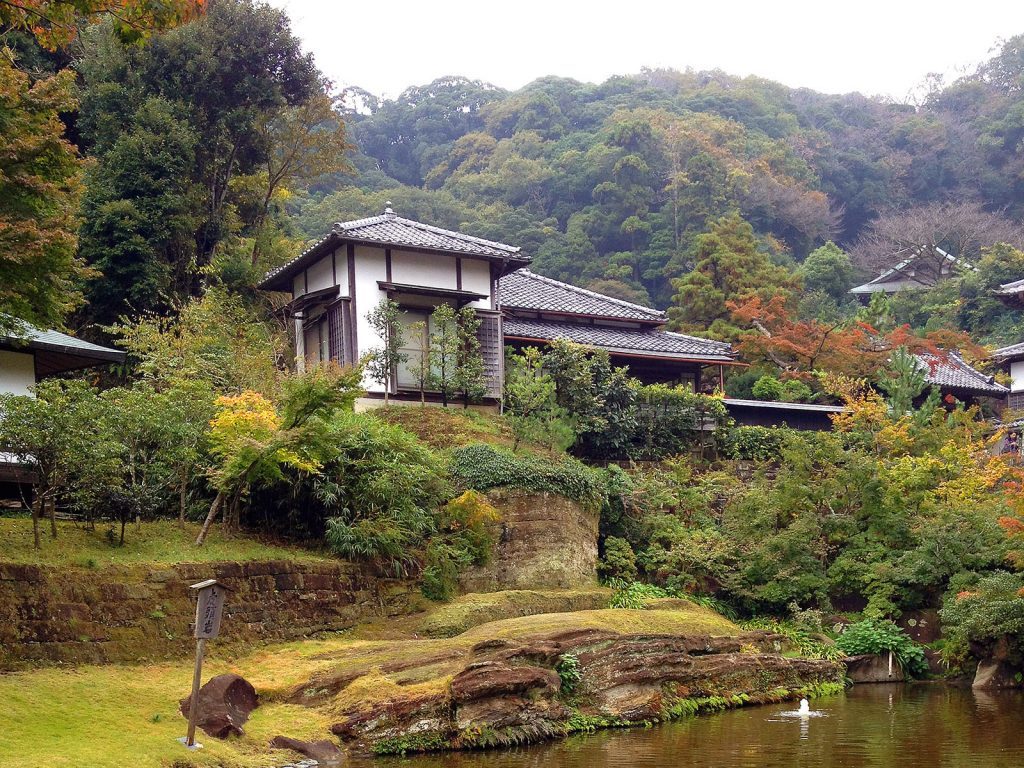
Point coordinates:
[[54, 615]]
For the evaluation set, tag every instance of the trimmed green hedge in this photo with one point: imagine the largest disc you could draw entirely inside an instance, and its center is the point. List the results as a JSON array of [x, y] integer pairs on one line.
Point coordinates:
[[482, 467]]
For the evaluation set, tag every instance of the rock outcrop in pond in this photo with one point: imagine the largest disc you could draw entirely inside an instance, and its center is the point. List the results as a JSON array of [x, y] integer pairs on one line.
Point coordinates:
[[506, 691]]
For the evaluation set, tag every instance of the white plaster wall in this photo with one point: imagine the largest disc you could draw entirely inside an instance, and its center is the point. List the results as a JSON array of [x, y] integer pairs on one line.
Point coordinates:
[[17, 372], [320, 274], [476, 277], [299, 284], [434, 271], [370, 267], [1017, 376]]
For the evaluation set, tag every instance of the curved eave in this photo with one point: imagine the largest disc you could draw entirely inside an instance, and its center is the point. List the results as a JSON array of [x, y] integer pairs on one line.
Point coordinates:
[[281, 280], [640, 354]]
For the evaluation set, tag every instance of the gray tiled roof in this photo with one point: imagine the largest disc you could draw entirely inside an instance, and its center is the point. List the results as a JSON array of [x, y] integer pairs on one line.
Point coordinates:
[[1007, 353], [953, 372], [650, 341], [1010, 289], [390, 229], [524, 289], [33, 338], [900, 277]]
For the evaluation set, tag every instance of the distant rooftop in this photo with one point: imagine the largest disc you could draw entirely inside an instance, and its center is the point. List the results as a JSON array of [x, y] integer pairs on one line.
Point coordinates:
[[1009, 353], [390, 229], [901, 275]]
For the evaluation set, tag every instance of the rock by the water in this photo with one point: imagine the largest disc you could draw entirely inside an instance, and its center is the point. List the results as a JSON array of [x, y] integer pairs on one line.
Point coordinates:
[[874, 668], [324, 752], [224, 705], [510, 691], [993, 675]]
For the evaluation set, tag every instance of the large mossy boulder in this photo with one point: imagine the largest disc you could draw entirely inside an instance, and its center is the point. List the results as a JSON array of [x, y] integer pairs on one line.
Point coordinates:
[[546, 541]]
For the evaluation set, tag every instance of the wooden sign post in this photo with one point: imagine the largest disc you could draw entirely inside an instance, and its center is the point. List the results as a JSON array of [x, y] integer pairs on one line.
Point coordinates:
[[209, 608]]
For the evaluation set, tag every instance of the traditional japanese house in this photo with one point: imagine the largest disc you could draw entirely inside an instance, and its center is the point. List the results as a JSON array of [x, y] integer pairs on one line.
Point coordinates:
[[338, 280], [344, 275], [956, 378]]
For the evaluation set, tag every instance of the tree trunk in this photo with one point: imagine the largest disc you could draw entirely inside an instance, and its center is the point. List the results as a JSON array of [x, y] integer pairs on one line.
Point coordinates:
[[210, 516], [182, 499], [36, 504], [53, 518]]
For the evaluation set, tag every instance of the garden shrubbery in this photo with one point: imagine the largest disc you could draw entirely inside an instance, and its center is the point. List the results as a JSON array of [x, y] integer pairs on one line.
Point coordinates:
[[482, 467]]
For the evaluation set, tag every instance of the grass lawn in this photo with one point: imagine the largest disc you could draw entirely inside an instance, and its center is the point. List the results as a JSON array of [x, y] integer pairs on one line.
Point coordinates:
[[452, 427], [117, 716], [158, 542]]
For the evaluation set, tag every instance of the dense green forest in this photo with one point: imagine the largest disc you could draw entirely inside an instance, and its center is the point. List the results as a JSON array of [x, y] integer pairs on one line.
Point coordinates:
[[217, 149], [611, 184]]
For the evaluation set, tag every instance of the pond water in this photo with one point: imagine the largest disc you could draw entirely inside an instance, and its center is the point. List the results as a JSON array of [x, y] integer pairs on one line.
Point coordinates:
[[902, 726]]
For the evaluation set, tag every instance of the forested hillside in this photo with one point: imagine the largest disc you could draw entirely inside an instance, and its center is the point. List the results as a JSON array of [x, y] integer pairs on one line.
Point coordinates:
[[216, 150], [611, 184]]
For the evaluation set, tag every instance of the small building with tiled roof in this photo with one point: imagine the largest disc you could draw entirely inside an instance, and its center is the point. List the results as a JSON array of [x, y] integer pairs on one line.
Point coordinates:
[[954, 376], [912, 272], [341, 277], [28, 354], [1011, 359], [1011, 294]]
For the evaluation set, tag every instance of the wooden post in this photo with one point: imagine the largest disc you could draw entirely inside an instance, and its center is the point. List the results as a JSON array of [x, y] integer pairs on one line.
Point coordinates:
[[209, 608], [197, 677]]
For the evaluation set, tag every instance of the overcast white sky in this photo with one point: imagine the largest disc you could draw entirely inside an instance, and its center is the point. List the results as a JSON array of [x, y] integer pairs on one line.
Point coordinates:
[[882, 47]]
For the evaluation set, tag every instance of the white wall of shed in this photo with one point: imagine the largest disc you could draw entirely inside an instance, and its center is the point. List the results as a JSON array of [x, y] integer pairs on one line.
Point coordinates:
[[17, 372]]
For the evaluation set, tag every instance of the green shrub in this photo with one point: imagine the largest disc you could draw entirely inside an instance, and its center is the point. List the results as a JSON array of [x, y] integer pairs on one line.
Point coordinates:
[[482, 467], [570, 673], [988, 614], [634, 594], [795, 391], [619, 561], [465, 536], [768, 388], [674, 420], [756, 443], [872, 636]]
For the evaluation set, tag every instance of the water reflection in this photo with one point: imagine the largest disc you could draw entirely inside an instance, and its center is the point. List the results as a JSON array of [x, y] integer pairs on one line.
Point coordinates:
[[913, 726]]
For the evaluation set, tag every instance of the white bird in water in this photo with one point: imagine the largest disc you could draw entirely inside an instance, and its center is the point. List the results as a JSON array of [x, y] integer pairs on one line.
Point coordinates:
[[805, 707]]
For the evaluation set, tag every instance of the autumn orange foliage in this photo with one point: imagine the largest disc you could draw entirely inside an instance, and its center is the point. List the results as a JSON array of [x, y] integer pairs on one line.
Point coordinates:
[[855, 349], [54, 23]]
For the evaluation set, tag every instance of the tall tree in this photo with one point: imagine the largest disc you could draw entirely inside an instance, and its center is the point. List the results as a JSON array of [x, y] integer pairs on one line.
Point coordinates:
[[179, 129], [55, 23], [39, 193], [730, 267], [305, 142]]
